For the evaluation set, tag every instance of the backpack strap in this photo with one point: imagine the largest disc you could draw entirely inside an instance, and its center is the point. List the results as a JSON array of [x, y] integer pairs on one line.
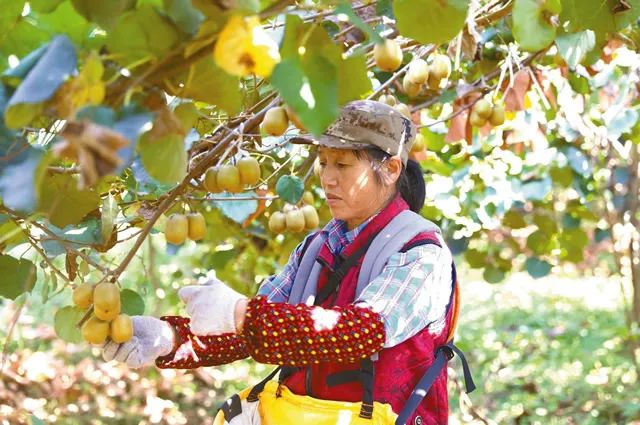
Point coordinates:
[[397, 233], [304, 284], [444, 353]]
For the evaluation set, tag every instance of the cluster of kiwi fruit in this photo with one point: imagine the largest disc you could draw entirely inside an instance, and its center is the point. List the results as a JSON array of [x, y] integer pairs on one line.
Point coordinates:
[[232, 177], [107, 321], [179, 227], [421, 74], [390, 100], [483, 112], [295, 219]]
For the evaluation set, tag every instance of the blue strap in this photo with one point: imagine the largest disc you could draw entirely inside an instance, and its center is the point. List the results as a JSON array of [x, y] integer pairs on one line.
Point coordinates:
[[443, 355]]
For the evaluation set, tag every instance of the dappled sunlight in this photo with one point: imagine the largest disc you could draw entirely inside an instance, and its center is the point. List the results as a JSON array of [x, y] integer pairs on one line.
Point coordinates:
[[324, 319]]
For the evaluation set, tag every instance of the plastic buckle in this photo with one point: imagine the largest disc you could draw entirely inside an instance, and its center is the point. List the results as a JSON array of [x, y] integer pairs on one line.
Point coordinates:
[[366, 411], [448, 352]]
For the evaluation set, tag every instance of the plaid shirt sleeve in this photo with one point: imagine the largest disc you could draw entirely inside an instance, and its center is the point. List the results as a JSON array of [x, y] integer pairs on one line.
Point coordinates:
[[278, 287], [412, 292]]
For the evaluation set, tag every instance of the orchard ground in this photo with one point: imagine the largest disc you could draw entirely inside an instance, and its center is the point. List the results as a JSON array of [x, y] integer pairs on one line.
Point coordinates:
[[545, 351]]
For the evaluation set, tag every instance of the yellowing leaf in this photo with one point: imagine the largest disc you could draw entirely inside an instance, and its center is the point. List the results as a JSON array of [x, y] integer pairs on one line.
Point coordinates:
[[243, 48]]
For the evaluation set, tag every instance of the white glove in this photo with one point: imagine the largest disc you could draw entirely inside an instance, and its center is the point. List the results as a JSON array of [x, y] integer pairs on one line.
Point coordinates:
[[151, 339], [211, 307], [250, 414]]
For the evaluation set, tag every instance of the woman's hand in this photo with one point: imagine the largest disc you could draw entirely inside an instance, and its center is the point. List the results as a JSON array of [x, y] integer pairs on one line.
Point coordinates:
[[151, 339], [212, 307]]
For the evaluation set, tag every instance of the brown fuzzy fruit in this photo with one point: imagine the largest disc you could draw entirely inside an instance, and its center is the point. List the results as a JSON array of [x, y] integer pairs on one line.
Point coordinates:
[[403, 109], [210, 181], [249, 170], [83, 295], [293, 117], [412, 90], [106, 301], [176, 229], [418, 72], [307, 198], [418, 143], [388, 55], [277, 222], [440, 66], [229, 179], [95, 331], [389, 99], [434, 82], [197, 226], [121, 329], [311, 219], [497, 115], [482, 108], [295, 221], [275, 121], [476, 120]]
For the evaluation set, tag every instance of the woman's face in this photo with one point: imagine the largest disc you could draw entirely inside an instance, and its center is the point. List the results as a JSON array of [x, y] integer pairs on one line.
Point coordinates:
[[352, 191]]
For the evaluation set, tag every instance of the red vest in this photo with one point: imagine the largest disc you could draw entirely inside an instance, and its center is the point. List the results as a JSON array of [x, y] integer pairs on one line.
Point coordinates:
[[399, 368]]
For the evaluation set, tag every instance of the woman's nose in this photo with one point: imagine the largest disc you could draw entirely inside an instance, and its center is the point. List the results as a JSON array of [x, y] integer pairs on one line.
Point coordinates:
[[328, 177]]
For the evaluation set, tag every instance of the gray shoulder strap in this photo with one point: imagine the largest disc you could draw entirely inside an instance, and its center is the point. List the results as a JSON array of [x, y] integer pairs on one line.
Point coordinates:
[[404, 227], [306, 280]]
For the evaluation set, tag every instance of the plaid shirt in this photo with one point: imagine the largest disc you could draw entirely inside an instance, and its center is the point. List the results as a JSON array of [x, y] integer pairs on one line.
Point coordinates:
[[411, 293]]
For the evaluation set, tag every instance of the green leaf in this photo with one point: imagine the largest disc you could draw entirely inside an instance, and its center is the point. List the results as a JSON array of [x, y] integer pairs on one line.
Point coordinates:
[[77, 236], [346, 9], [430, 21], [17, 277], [104, 13], [165, 159], [237, 210], [182, 12], [13, 76], [514, 220], [532, 28], [56, 64], [63, 202], [580, 15], [10, 12], [353, 81], [493, 275], [579, 83], [574, 47], [475, 258], [629, 17], [546, 223], [132, 303], [205, 82], [20, 176], [562, 175], [142, 34], [433, 141], [537, 268], [539, 242], [64, 323], [44, 6], [313, 78], [290, 188], [311, 90]]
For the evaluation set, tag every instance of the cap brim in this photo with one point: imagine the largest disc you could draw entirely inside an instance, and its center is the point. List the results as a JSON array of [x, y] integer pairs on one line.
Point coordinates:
[[328, 141]]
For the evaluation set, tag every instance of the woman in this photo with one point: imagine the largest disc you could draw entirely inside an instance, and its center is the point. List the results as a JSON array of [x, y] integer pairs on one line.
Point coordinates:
[[316, 318]]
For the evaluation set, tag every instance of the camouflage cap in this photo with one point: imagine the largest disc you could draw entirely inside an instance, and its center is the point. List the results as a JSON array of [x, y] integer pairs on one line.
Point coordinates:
[[363, 123]]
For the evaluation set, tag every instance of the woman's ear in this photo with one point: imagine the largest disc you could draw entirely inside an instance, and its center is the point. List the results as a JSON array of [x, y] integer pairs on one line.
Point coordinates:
[[394, 169]]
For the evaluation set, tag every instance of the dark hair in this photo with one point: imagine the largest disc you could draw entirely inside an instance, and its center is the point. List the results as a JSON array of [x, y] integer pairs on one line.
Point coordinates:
[[410, 184]]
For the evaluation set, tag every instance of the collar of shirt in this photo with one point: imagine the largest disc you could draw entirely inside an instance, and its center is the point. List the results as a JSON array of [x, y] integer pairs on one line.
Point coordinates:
[[338, 236]]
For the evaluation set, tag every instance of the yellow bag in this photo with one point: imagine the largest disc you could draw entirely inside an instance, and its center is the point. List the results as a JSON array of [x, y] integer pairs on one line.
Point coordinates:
[[295, 409]]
